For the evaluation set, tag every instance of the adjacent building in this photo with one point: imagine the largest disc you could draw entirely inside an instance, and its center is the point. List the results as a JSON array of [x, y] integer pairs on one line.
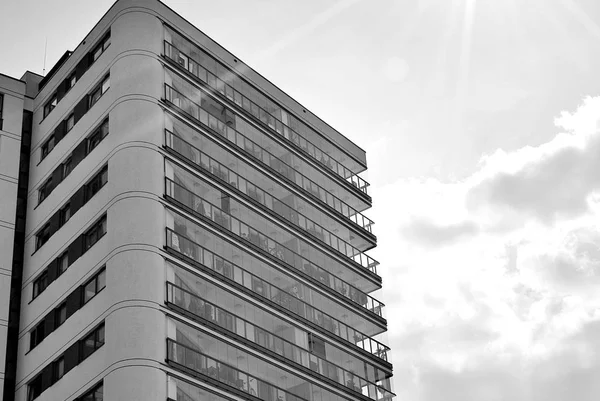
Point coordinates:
[[175, 227]]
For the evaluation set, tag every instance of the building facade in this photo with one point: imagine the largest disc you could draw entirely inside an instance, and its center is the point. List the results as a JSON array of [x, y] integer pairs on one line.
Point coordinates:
[[180, 229]]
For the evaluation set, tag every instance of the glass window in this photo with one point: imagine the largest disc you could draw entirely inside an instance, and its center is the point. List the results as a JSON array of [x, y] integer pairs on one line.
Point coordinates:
[[67, 166], [105, 85], [99, 91], [42, 236], [97, 136], [102, 46], [94, 286], [34, 388], [40, 284], [92, 342], [70, 122], [48, 146], [97, 183], [72, 80], [59, 368], [45, 190], [37, 335], [95, 394], [63, 263], [101, 280], [61, 314], [50, 105]]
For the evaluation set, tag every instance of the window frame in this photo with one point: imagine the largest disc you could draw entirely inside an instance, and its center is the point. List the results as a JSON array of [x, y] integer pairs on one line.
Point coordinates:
[[50, 105], [46, 148], [92, 393], [72, 80], [67, 167], [36, 381], [42, 236], [43, 191], [62, 258], [37, 335], [58, 311], [97, 286], [95, 232], [97, 182], [56, 364], [99, 91], [36, 284], [94, 336], [70, 118], [97, 136]]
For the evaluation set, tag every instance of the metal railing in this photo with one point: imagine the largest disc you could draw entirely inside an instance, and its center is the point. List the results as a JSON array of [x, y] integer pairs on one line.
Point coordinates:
[[235, 137], [210, 165], [237, 325], [264, 116], [186, 247]]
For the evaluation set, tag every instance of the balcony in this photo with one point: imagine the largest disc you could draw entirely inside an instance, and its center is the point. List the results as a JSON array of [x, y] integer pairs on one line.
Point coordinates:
[[201, 309], [291, 215], [284, 170], [188, 249], [268, 120]]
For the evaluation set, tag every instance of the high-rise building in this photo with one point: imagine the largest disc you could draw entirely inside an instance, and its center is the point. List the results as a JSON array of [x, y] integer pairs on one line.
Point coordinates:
[[173, 226]]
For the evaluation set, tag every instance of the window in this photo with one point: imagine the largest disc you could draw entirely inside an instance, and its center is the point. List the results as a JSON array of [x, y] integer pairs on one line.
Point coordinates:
[[58, 368], [71, 81], [50, 105], [97, 136], [94, 286], [60, 314], [95, 394], [48, 146], [34, 388], [99, 91], [316, 345], [101, 48], [96, 183], [45, 190], [67, 167], [95, 233], [37, 335], [92, 342], [63, 262], [70, 122], [40, 284], [42, 236]]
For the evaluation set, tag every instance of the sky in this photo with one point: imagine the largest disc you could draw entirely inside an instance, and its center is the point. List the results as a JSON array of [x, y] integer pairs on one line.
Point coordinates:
[[479, 118]]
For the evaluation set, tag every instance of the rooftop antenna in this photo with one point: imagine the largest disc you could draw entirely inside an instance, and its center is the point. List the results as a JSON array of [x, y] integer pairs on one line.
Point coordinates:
[[45, 50]]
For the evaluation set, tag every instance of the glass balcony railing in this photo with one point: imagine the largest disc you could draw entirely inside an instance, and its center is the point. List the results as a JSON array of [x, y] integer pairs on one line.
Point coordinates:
[[205, 310], [197, 362], [270, 247], [187, 248], [268, 119], [285, 211], [238, 139]]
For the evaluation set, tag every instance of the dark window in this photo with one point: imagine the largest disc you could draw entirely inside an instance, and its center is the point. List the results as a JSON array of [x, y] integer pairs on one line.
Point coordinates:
[[60, 314], [316, 345], [58, 368], [50, 105], [48, 146], [95, 394], [34, 388], [94, 286], [96, 183], [71, 81], [40, 284], [67, 166], [42, 236], [37, 335], [70, 122], [63, 262], [99, 91], [101, 48], [45, 190], [96, 232], [92, 342], [97, 136]]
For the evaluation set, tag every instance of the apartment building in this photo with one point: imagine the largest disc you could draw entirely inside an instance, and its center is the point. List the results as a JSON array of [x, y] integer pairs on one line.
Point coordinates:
[[176, 227]]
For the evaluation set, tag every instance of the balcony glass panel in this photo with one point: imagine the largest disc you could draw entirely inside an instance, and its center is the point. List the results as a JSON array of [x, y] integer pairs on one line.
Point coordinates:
[[264, 336], [242, 212], [265, 290], [279, 121], [220, 125]]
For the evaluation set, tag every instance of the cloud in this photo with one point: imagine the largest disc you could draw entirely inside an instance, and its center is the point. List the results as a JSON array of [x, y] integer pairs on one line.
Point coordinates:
[[427, 233], [501, 299]]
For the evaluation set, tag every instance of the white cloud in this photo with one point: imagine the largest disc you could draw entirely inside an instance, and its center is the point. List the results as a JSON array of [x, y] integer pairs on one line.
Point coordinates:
[[493, 281]]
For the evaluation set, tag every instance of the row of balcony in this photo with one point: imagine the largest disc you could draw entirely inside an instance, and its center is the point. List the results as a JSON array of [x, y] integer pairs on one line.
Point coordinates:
[[268, 119], [238, 139], [205, 310], [219, 171], [187, 248]]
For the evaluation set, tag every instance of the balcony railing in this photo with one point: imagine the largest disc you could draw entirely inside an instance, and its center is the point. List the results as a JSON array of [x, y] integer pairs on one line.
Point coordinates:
[[271, 247], [201, 159], [208, 311], [264, 116], [188, 248], [235, 137], [204, 365]]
